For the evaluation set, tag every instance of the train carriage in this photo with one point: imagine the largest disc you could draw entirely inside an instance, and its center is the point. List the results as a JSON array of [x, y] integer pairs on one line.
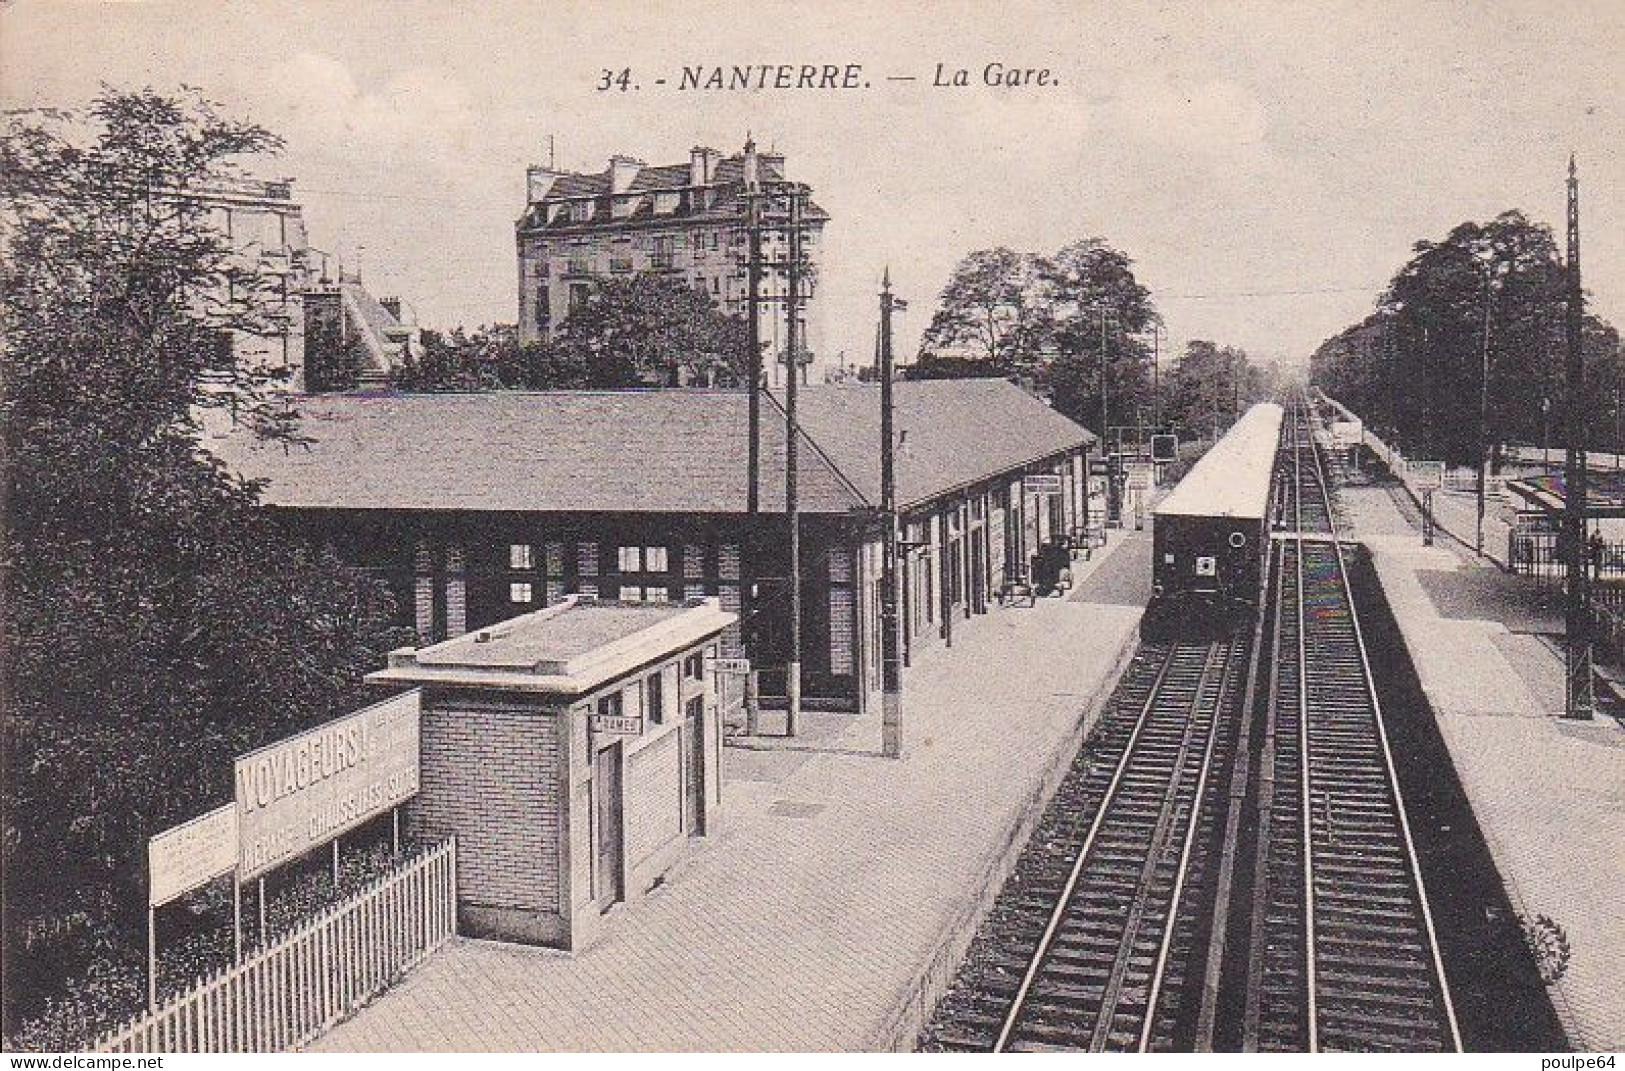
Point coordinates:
[[1210, 534]]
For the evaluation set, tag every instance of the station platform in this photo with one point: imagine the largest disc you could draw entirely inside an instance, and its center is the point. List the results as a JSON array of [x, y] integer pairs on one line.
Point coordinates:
[[1549, 794], [841, 888]]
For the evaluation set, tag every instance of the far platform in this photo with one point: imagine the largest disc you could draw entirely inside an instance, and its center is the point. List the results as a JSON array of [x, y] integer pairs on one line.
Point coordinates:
[[1548, 793]]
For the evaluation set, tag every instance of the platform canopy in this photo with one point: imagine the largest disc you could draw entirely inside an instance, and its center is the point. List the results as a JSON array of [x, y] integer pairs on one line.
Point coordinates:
[[1605, 493]]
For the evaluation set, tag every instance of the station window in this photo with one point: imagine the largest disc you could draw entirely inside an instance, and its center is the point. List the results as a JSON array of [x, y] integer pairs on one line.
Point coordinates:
[[519, 593], [610, 706], [644, 593], [655, 700], [642, 559], [694, 667], [521, 556]]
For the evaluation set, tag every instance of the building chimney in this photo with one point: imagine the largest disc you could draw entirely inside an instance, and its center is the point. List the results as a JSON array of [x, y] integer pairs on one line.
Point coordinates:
[[752, 172], [696, 166], [772, 162], [392, 305], [538, 182], [622, 170]]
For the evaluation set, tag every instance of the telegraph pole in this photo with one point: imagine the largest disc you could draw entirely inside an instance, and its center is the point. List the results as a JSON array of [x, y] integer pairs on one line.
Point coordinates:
[[1577, 698], [891, 661], [792, 453], [753, 285], [753, 489], [1105, 428], [1484, 410]]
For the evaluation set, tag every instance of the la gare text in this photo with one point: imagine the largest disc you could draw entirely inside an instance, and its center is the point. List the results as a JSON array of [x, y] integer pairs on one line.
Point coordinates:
[[826, 76]]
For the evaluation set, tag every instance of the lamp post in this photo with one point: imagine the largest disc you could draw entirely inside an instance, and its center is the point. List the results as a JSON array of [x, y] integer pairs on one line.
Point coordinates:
[[1488, 266]]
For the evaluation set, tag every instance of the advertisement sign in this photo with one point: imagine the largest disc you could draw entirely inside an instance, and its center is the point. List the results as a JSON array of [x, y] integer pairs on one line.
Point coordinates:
[[299, 793], [191, 854], [1041, 485], [1427, 475], [1140, 475], [1346, 433], [1164, 448]]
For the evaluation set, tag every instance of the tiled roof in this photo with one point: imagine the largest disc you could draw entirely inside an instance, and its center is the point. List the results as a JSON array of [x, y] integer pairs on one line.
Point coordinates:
[[728, 181], [670, 451], [676, 451], [951, 432]]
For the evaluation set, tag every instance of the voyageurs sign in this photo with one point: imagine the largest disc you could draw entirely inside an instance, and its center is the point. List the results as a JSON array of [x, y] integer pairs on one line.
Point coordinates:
[[299, 793]]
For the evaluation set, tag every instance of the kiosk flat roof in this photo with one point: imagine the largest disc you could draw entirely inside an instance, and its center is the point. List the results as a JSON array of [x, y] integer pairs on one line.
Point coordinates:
[[569, 647]]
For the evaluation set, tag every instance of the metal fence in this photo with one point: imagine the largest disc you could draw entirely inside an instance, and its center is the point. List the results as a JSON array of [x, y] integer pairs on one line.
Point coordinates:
[[1539, 555], [291, 990]]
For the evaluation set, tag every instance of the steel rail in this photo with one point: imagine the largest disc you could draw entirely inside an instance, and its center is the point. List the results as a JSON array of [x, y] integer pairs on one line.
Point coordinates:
[[1387, 754], [1165, 944], [1305, 794], [1076, 872]]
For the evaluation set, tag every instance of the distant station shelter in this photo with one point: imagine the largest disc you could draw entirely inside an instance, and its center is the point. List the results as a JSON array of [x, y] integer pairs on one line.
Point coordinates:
[[1540, 501], [477, 507]]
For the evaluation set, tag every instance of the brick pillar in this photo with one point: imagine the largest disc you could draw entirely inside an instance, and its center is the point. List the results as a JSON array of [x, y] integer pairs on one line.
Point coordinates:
[[456, 591]]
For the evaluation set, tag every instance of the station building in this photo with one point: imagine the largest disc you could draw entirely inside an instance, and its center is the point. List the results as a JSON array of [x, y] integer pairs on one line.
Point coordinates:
[[478, 507]]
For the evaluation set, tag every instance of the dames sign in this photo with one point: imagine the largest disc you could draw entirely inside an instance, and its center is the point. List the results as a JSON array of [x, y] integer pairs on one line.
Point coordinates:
[[301, 792]]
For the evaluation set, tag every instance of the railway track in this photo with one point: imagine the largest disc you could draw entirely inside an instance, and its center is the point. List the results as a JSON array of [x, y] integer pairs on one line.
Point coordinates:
[[1343, 954], [1103, 937], [1145, 915]]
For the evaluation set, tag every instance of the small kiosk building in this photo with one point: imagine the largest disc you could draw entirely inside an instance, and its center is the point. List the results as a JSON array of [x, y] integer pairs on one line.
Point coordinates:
[[573, 752]]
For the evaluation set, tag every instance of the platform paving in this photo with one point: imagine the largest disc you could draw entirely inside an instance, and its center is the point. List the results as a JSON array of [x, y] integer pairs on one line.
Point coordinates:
[[834, 900], [1548, 793]]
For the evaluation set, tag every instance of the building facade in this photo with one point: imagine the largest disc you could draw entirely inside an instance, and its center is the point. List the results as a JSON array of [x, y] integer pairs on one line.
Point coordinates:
[[265, 230], [687, 222], [478, 507]]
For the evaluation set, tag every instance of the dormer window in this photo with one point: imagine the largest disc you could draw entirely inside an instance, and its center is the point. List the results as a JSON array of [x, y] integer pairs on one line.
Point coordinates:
[[666, 203], [580, 211]]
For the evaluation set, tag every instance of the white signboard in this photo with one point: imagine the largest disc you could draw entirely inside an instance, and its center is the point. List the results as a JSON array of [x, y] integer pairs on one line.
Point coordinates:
[[1041, 485], [615, 724], [1346, 433], [299, 793], [1427, 475], [1139, 475], [191, 854], [730, 665]]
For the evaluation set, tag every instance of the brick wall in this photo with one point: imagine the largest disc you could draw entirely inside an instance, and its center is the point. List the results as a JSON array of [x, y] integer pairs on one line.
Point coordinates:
[[491, 778]]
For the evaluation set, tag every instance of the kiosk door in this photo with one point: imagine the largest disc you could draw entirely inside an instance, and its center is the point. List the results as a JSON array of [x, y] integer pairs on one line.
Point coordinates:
[[611, 855]]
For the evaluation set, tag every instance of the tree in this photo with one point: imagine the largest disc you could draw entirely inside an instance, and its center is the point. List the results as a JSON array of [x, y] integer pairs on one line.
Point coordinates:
[[1085, 280], [1416, 367], [490, 358], [990, 312], [646, 330], [639, 331], [332, 361], [1211, 385], [156, 621]]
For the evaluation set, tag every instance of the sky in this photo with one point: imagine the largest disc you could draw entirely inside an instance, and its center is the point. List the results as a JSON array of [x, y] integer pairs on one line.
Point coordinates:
[[1267, 165]]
